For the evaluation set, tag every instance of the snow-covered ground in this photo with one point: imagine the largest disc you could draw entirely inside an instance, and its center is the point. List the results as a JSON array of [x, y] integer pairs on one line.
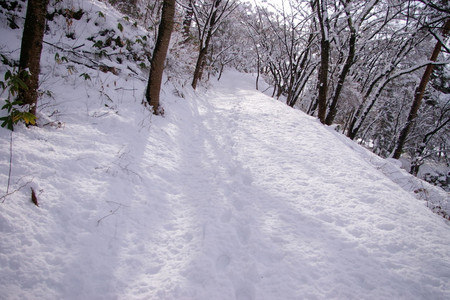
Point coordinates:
[[230, 195]]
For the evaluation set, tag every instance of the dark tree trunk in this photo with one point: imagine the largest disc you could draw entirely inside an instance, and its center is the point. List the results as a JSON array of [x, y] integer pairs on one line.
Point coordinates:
[[199, 66], [159, 54], [323, 80], [347, 121], [418, 96], [30, 51], [348, 63], [351, 132], [222, 66], [324, 59], [258, 67]]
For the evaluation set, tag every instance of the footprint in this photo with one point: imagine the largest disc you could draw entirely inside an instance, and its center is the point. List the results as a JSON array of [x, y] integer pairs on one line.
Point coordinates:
[[222, 262]]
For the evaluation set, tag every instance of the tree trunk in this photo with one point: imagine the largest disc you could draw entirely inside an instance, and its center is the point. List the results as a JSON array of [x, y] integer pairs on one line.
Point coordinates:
[[258, 66], [159, 55], [30, 50], [348, 63], [324, 59], [222, 66], [199, 66], [419, 95]]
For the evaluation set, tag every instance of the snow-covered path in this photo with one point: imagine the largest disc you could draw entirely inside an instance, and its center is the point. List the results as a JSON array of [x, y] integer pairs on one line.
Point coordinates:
[[281, 210], [232, 195]]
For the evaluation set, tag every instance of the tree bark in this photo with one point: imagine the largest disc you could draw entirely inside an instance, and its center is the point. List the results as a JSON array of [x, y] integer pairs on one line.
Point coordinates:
[[159, 55], [324, 59], [30, 51], [348, 63], [199, 66], [418, 96]]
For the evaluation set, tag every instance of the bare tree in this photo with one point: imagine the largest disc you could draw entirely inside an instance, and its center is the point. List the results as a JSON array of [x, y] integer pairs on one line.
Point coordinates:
[[208, 16], [386, 66], [419, 94], [159, 55], [353, 29]]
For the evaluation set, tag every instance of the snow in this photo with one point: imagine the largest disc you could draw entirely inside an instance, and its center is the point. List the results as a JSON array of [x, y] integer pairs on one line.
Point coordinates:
[[230, 195]]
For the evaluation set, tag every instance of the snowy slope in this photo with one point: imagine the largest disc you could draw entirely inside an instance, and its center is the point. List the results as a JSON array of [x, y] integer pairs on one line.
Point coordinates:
[[231, 195]]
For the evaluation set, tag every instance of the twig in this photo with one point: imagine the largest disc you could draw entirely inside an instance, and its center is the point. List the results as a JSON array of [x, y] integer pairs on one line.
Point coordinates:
[[3, 198], [112, 212], [79, 46]]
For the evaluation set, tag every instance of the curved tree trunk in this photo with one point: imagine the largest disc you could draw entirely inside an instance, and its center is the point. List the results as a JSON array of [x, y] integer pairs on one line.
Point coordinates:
[[159, 55], [30, 51]]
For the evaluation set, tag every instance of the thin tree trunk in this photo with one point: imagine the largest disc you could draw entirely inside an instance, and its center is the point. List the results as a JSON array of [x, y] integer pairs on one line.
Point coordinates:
[[258, 66], [30, 51], [419, 95], [324, 59], [222, 66], [303, 78], [348, 63], [201, 60], [312, 107], [159, 55], [347, 121]]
